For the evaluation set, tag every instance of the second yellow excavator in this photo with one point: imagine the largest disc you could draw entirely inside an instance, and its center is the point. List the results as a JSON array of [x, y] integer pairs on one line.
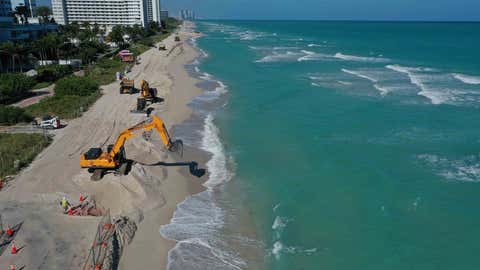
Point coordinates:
[[98, 162], [147, 94]]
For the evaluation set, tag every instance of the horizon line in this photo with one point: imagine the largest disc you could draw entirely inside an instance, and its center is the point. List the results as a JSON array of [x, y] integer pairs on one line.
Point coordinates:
[[344, 20]]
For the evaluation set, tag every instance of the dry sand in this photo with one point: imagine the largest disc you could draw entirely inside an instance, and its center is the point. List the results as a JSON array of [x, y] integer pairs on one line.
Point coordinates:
[[149, 195]]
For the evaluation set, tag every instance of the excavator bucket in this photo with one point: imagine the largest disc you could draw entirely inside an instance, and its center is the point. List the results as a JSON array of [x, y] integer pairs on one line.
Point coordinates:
[[177, 147]]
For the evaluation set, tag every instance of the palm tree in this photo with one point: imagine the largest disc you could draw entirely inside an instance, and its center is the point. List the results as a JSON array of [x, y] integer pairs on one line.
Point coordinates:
[[9, 48], [44, 12], [22, 11]]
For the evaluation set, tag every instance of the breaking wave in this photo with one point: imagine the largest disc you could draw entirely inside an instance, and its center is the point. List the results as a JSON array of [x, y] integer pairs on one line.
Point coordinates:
[[312, 56], [278, 57], [468, 79], [466, 169], [436, 96], [359, 74], [360, 58]]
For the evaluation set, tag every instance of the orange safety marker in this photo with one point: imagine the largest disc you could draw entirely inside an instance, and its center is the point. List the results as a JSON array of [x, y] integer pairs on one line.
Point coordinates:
[[14, 248], [12, 267], [9, 231], [70, 212], [81, 198]]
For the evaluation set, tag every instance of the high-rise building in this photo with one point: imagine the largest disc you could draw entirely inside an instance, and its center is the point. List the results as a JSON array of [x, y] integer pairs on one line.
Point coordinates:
[[106, 12], [163, 18], [5, 10], [59, 11], [187, 14], [32, 6]]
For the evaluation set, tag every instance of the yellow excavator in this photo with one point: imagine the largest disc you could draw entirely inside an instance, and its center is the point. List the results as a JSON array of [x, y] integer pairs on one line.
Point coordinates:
[[98, 162], [147, 94]]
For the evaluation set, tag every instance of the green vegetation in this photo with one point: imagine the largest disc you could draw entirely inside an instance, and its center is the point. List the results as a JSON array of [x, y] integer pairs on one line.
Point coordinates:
[[103, 72], [51, 73], [75, 86], [12, 115], [14, 87], [41, 85], [18, 150], [73, 96], [66, 107]]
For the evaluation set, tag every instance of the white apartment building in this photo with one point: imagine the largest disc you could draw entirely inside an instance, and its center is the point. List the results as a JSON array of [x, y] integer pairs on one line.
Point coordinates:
[[106, 12]]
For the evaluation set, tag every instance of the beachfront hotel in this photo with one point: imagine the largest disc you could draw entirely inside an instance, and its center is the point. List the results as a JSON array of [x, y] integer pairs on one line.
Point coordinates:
[[107, 12]]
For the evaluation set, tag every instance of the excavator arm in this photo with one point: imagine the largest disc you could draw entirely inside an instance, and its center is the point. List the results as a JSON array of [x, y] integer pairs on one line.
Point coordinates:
[[154, 123]]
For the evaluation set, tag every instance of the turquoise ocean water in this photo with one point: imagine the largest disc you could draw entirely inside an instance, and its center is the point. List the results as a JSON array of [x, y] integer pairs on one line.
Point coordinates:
[[349, 145]]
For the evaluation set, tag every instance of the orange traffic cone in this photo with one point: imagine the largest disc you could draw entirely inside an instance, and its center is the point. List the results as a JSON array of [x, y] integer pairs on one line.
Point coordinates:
[[12, 267], [9, 231], [70, 211], [81, 198], [14, 249]]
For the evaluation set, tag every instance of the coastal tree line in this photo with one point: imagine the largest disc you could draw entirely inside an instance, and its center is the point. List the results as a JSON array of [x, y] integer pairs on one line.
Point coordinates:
[[84, 41]]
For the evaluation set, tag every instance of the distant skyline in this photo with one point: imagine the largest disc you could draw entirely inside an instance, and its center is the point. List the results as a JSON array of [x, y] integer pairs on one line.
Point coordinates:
[[403, 10], [417, 10]]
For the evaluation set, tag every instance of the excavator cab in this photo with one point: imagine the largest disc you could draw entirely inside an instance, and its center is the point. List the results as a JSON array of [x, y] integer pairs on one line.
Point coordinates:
[[93, 153]]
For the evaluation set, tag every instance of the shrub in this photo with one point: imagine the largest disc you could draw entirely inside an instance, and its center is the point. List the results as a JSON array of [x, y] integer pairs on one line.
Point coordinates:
[[11, 115], [50, 73], [19, 149], [14, 87], [63, 106], [76, 86]]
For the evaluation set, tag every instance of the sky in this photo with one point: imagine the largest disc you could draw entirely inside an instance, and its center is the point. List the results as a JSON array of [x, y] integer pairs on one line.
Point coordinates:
[[418, 10], [436, 10]]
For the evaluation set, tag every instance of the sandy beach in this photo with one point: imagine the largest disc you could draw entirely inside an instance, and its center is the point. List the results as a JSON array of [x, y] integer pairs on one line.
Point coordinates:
[[148, 195]]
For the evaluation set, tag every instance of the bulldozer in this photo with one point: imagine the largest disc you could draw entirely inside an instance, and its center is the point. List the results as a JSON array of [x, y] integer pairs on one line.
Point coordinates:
[[147, 94], [98, 162], [127, 86]]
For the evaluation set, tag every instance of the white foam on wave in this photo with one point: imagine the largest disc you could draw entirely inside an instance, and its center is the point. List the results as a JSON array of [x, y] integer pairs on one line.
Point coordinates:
[[466, 169], [360, 58], [315, 45], [383, 90], [206, 76], [344, 82], [360, 75], [195, 225], [468, 79], [416, 78], [312, 56], [217, 165], [279, 57], [279, 223], [279, 248], [221, 88]]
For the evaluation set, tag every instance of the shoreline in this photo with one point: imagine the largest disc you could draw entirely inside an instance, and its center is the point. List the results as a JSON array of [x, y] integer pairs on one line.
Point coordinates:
[[147, 195], [182, 90]]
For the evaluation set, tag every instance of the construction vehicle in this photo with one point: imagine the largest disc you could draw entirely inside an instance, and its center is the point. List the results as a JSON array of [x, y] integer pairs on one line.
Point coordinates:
[[47, 122], [127, 86], [114, 159], [162, 47], [177, 38], [147, 94]]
